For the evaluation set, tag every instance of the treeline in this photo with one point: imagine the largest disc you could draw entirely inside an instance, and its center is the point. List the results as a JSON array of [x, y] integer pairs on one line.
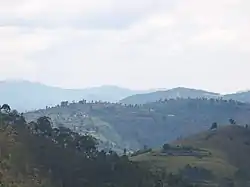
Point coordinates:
[[69, 159]]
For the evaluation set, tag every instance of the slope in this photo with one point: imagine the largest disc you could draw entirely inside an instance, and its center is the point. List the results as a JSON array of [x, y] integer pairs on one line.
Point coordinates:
[[37, 155], [17, 165], [133, 127], [239, 96], [213, 157], [168, 94]]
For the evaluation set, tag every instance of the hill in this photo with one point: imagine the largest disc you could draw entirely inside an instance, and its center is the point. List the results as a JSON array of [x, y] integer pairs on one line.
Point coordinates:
[[168, 94], [215, 157], [239, 96], [181, 92], [37, 155], [18, 95], [120, 126], [24, 95]]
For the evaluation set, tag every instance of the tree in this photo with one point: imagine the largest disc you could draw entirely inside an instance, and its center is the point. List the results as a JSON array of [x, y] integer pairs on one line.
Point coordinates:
[[64, 103], [44, 125], [124, 151], [214, 126], [6, 108], [232, 121], [82, 101], [14, 112]]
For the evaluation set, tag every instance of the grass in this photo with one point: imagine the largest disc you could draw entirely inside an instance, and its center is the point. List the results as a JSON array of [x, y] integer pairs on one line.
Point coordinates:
[[227, 147], [216, 162]]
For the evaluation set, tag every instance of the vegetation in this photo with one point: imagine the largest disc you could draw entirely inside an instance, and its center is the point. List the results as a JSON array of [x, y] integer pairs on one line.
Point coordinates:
[[224, 161], [37, 154], [119, 126], [55, 147]]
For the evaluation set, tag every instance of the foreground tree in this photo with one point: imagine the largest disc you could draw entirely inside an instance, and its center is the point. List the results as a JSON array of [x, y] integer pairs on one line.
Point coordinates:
[[71, 159], [5, 107]]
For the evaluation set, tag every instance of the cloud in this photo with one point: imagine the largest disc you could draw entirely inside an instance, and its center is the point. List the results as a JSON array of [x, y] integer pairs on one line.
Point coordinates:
[[137, 44], [78, 13]]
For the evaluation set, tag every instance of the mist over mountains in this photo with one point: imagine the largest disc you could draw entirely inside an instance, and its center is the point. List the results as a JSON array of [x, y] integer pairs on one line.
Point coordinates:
[[180, 92], [25, 95]]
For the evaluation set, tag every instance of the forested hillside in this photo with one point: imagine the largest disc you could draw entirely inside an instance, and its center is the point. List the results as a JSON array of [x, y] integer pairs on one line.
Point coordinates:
[[120, 126], [37, 155]]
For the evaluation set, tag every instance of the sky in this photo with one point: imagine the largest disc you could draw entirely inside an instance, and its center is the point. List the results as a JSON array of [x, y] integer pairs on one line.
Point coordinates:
[[138, 44]]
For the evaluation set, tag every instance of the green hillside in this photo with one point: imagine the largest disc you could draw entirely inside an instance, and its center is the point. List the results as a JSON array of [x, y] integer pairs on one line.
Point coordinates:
[[216, 157], [37, 155], [121, 126]]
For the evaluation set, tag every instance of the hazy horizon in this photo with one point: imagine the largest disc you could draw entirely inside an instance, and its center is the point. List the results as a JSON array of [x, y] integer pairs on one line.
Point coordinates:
[[110, 85], [135, 44]]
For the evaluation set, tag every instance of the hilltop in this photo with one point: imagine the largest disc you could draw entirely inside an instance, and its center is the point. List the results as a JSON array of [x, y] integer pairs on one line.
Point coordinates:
[[25, 95], [174, 93], [239, 96], [211, 158], [120, 126], [182, 92]]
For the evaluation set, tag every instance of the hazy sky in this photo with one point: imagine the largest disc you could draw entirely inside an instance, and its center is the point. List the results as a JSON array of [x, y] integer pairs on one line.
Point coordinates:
[[132, 43]]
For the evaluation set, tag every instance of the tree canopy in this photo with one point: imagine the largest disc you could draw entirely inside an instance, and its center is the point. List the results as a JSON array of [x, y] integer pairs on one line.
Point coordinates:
[[66, 158]]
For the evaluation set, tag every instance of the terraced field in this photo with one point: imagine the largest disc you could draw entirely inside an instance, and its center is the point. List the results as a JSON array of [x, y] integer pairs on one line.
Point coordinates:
[[227, 159]]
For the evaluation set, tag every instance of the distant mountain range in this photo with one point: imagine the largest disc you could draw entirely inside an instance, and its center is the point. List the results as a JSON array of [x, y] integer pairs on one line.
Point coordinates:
[[181, 92], [168, 94], [25, 95], [239, 96]]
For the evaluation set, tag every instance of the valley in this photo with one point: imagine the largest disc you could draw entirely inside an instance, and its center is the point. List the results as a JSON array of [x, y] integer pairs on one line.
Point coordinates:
[[120, 126]]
